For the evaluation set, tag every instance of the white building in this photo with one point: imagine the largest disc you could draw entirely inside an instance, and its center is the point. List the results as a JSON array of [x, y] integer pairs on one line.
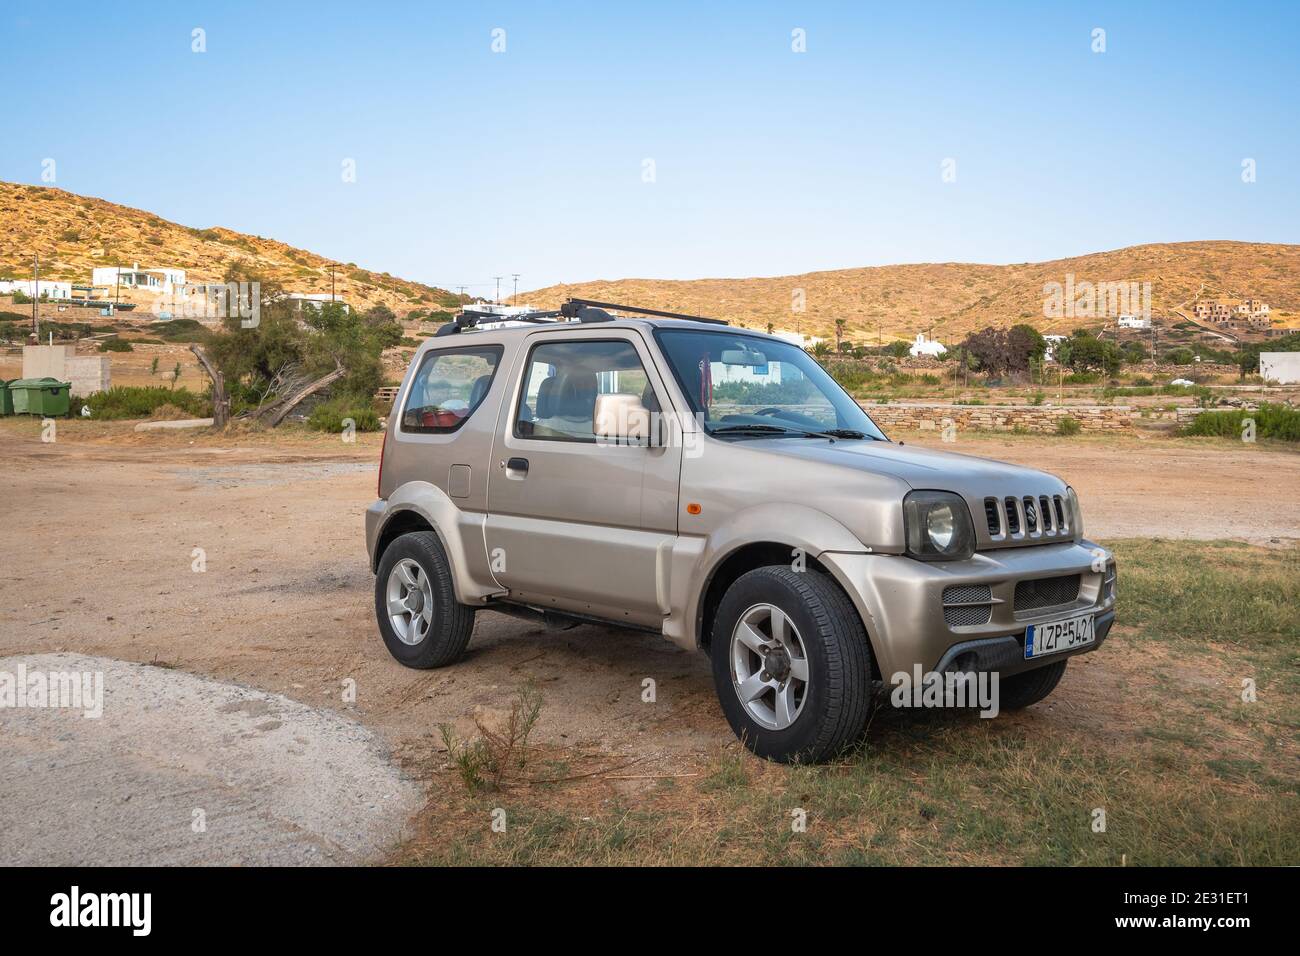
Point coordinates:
[[311, 300], [1052, 341], [1280, 367], [924, 346], [1134, 322], [55, 291], [160, 281]]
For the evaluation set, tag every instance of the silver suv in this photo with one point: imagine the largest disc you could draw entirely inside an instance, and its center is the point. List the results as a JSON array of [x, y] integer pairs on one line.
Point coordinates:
[[716, 486]]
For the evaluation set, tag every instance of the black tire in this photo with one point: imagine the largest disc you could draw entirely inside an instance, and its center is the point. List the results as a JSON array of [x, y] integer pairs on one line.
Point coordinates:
[[837, 695], [1021, 690], [449, 630]]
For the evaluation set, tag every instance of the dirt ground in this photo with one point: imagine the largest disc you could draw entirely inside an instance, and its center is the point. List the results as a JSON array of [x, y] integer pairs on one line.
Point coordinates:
[[103, 538]]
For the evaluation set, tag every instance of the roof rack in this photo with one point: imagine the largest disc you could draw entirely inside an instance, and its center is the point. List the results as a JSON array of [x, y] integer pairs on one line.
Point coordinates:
[[578, 306], [583, 310]]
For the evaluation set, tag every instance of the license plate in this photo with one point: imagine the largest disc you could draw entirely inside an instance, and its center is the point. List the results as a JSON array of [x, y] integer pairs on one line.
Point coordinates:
[[1057, 636]]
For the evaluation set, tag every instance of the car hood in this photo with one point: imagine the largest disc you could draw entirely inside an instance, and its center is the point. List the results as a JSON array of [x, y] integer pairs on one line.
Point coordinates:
[[920, 467]]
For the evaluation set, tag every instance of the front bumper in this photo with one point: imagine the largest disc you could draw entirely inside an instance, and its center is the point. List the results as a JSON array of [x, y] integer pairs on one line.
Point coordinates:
[[901, 603]]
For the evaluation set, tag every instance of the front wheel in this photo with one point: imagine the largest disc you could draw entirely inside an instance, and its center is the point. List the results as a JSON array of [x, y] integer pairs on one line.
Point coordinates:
[[791, 665], [422, 623]]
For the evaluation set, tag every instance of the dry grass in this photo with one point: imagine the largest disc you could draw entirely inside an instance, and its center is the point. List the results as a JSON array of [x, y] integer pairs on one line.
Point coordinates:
[[1151, 730]]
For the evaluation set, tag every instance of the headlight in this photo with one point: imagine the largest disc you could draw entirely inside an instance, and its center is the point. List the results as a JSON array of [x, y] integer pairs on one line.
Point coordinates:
[[938, 526], [1076, 513]]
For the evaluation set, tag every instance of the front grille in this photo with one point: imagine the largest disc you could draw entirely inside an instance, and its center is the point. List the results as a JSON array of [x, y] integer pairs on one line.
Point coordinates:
[[1040, 517], [967, 605], [1046, 592]]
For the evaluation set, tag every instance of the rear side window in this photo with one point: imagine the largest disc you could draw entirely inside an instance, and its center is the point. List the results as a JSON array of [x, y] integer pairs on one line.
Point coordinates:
[[448, 387]]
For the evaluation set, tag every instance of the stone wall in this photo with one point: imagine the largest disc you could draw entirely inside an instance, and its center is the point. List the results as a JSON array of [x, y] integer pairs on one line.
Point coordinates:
[[897, 416]]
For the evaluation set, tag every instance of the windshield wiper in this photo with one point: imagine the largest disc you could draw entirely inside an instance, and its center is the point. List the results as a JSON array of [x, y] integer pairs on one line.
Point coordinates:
[[834, 433], [755, 429]]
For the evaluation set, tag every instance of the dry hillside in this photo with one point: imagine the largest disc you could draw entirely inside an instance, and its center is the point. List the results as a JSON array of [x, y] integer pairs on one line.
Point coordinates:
[[75, 233], [955, 298]]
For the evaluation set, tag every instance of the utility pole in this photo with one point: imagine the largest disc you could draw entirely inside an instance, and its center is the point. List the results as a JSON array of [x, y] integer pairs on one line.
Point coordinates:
[[497, 299], [514, 298], [331, 282], [36, 296], [462, 289]]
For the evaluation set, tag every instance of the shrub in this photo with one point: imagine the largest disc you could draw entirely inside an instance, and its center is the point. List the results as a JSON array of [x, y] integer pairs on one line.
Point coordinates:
[[129, 401], [116, 345], [1068, 426], [328, 415], [1037, 398], [1271, 421], [181, 330]]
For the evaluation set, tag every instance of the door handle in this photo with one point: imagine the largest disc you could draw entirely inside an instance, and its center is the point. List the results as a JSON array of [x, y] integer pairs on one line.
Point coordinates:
[[517, 466]]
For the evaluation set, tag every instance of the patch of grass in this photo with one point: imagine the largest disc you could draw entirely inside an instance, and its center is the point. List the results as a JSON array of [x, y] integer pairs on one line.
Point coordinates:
[[1068, 426], [1270, 421], [1202, 591]]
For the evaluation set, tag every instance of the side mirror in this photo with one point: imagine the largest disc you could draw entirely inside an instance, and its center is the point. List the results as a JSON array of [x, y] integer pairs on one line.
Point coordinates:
[[622, 420]]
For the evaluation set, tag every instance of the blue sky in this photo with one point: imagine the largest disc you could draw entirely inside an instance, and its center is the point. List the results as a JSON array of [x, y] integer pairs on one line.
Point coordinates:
[[471, 163]]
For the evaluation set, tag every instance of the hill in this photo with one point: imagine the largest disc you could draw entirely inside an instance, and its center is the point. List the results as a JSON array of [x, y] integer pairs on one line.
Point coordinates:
[[954, 298], [73, 234]]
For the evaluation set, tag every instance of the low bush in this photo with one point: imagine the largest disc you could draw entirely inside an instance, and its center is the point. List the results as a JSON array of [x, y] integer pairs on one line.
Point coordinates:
[[1068, 426], [181, 330], [130, 401], [328, 416], [1271, 421], [116, 345]]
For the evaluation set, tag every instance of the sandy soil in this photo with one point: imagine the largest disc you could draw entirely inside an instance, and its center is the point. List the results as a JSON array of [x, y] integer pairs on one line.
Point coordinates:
[[101, 554]]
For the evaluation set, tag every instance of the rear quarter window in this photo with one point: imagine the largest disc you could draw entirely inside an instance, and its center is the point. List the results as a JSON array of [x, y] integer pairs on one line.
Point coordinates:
[[448, 387]]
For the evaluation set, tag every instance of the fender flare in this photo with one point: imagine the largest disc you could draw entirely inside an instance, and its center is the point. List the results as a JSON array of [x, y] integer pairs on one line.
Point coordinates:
[[798, 526], [459, 532]]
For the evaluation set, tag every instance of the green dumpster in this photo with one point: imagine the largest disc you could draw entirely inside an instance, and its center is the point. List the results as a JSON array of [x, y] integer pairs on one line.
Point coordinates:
[[40, 396], [6, 399]]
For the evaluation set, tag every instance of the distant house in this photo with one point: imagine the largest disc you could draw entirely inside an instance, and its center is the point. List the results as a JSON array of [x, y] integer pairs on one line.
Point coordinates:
[[1052, 341], [311, 300], [924, 346], [54, 291], [1247, 314], [159, 281], [1134, 322]]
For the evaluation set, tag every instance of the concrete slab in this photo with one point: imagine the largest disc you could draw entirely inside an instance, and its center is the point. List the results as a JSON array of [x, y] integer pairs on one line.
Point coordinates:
[[184, 770]]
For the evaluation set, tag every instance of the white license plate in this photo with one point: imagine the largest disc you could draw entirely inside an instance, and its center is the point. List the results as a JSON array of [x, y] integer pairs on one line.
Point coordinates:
[[1057, 636]]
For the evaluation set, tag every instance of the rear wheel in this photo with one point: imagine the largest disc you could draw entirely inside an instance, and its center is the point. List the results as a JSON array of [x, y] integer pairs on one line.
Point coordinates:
[[1021, 690], [791, 665], [420, 620]]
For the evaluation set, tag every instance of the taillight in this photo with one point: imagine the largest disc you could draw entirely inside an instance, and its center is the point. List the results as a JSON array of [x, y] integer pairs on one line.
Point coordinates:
[[379, 488]]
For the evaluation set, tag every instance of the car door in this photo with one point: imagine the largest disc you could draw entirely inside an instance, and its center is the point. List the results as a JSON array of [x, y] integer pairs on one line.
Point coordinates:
[[576, 521]]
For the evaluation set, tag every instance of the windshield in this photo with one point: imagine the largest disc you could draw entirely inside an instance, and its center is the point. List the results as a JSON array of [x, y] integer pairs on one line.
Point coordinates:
[[745, 384]]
